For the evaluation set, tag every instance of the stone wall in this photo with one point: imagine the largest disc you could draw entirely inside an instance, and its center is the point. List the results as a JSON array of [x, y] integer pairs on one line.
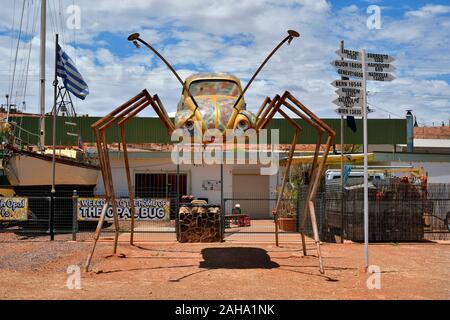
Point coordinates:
[[200, 224]]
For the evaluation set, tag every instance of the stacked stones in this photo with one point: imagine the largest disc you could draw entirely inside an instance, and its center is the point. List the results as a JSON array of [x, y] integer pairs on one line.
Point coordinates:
[[200, 223]]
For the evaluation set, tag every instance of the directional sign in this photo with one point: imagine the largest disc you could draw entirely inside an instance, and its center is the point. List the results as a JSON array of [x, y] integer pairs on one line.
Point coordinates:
[[349, 92], [349, 73], [357, 84], [380, 76], [378, 57], [349, 54], [348, 102], [346, 64], [379, 67], [355, 112], [370, 57]]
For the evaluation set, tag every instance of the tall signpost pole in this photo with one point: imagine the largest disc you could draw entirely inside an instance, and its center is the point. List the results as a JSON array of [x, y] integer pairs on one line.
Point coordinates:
[[342, 162], [366, 176], [352, 101]]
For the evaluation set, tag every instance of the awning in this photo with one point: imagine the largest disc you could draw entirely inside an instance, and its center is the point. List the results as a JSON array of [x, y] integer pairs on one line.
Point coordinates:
[[351, 158]]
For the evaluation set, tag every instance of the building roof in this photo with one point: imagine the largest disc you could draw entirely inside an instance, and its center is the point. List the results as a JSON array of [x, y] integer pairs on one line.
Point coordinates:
[[151, 130], [432, 143], [441, 132]]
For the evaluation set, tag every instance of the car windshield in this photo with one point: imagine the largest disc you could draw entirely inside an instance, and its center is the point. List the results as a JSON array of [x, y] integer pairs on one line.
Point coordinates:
[[214, 87]]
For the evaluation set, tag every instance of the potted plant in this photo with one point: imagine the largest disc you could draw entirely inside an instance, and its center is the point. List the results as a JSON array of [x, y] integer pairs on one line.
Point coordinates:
[[288, 209], [287, 223]]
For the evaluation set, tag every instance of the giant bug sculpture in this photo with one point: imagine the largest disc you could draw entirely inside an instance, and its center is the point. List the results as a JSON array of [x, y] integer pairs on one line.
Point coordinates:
[[213, 101]]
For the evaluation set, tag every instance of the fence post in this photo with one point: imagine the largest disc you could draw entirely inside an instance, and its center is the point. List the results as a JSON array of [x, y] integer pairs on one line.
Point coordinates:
[[74, 215], [298, 217], [52, 217], [343, 207]]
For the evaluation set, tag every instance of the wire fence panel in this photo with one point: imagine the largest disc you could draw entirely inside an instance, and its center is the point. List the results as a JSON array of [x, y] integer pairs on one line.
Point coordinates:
[[397, 212], [254, 215]]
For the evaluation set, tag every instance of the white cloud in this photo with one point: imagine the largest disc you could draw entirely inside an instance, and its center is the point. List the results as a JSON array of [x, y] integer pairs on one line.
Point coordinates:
[[429, 10], [198, 33]]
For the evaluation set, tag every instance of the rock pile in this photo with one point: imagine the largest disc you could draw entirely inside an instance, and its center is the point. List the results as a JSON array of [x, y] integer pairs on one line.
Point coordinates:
[[200, 224]]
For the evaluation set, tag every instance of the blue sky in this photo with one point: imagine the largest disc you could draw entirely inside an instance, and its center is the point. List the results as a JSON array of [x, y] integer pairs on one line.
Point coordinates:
[[234, 36]]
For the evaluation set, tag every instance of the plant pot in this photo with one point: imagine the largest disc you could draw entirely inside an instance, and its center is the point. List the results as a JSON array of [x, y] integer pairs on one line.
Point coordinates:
[[287, 224]]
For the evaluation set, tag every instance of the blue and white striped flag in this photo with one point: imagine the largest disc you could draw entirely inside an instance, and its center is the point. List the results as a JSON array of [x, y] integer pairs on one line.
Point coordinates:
[[72, 79]]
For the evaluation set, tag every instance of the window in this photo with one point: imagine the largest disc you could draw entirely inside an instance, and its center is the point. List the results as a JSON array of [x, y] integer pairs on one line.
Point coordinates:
[[214, 87], [160, 185]]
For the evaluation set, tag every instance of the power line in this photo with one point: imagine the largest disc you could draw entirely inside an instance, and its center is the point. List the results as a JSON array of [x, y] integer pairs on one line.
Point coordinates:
[[15, 58]]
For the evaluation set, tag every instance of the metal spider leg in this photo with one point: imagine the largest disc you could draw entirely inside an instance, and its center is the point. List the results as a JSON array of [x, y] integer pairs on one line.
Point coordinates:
[[120, 115], [267, 111], [316, 171]]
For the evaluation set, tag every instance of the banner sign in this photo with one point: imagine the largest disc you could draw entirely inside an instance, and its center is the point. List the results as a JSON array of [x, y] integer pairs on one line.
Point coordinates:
[[13, 209], [90, 209]]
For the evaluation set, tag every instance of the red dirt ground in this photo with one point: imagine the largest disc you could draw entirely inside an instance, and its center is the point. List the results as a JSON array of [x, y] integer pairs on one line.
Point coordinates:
[[36, 269]]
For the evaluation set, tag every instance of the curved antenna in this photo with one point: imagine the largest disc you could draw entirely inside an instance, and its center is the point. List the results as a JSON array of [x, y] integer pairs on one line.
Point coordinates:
[[134, 37], [291, 35]]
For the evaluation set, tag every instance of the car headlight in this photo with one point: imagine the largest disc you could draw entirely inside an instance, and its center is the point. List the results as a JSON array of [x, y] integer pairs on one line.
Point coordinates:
[[241, 124], [189, 125]]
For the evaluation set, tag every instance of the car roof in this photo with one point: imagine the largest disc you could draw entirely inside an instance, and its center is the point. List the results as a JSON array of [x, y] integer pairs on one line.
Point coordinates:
[[212, 76]]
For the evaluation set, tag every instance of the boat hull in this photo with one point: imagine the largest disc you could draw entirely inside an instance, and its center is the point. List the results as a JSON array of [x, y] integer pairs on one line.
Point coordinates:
[[26, 170]]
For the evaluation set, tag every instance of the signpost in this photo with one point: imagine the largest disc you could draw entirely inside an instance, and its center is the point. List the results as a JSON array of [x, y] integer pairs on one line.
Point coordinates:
[[352, 100], [349, 102], [370, 66], [348, 92], [379, 76], [369, 57], [353, 112], [347, 84]]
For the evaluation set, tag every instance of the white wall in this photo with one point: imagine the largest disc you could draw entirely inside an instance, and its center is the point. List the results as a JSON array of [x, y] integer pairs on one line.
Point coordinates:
[[196, 175]]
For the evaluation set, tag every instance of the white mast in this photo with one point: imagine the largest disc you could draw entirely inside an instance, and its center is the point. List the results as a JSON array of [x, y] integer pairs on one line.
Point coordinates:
[[42, 76]]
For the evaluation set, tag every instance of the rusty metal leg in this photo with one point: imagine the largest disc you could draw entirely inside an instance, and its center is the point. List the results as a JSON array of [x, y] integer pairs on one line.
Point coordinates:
[[111, 193], [130, 187], [121, 114], [283, 185], [308, 194], [105, 206], [97, 234], [312, 213], [116, 223], [315, 186]]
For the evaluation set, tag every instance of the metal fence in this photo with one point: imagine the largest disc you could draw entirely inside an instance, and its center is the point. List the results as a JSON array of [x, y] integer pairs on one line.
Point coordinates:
[[396, 213], [403, 215]]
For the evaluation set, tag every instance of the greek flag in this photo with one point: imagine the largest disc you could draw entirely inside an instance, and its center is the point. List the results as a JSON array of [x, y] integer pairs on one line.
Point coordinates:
[[72, 79]]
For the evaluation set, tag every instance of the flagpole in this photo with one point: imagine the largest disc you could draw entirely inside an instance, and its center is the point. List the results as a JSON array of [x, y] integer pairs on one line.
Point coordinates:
[[55, 88], [42, 76]]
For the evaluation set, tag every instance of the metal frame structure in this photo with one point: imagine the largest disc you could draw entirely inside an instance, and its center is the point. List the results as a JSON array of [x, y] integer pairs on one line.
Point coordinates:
[[266, 113], [120, 116]]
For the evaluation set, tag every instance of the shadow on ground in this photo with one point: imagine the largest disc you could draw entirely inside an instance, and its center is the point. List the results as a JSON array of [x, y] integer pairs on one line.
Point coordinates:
[[236, 258]]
